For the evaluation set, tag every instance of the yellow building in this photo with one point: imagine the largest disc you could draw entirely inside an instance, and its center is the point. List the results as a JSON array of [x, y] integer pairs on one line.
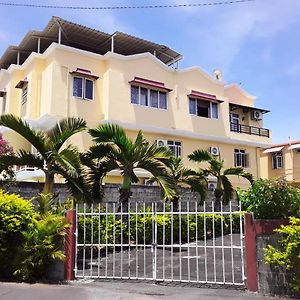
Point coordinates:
[[71, 70], [282, 160]]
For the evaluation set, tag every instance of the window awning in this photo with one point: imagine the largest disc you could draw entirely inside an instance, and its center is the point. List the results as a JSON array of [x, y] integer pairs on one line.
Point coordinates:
[[246, 108], [204, 96], [295, 146], [2, 93], [150, 83], [21, 84], [84, 73], [272, 150]]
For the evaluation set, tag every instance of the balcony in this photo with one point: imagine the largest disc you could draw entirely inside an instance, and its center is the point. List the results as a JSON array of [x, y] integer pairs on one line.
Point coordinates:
[[28, 173], [249, 130]]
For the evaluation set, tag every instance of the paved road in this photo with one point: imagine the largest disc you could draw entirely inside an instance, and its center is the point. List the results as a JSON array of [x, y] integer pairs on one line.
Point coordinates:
[[117, 291]]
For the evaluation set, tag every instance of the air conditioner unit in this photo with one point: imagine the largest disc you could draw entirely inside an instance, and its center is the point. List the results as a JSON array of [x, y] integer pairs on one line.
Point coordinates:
[[161, 143], [256, 115], [212, 186], [214, 150]]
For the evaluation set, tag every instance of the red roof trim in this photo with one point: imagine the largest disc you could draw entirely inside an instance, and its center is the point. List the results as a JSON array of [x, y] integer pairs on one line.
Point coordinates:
[[150, 83], [2, 93], [84, 73], [21, 84], [285, 144], [204, 96]]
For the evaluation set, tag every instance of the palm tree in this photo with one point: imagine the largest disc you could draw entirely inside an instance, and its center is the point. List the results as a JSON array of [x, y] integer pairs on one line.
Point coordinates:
[[128, 155], [181, 176], [50, 157], [224, 189]]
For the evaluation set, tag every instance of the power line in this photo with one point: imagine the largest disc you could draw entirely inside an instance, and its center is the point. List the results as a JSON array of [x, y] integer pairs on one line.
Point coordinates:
[[124, 7]]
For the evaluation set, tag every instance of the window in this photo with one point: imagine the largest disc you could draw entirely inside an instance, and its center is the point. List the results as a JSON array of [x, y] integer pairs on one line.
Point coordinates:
[[203, 108], [277, 160], [148, 97], [241, 158], [3, 104], [175, 148], [83, 88], [24, 95]]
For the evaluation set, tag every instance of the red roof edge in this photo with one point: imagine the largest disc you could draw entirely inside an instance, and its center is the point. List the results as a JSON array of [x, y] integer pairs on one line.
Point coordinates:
[[84, 73], [204, 96], [150, 83]]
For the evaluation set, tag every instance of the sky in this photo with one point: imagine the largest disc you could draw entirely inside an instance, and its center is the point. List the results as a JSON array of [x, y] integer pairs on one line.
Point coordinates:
[[256, 44]]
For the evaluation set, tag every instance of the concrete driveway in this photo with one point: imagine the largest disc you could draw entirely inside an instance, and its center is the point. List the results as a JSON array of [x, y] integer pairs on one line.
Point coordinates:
[[117, 290]]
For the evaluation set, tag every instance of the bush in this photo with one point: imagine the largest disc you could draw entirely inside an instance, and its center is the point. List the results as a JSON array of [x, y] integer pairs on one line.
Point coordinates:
[[288, 254], [271, 199], [110, 228], [16, 215], [42, 245]]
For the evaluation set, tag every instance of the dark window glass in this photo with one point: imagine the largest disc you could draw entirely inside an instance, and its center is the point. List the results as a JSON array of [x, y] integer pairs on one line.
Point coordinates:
[[214, 110], [203, 109], [162, 100], [24, 95], [89, 86], [135, 94], [77, 87], [153, 98], [144, 97], [193, 106]]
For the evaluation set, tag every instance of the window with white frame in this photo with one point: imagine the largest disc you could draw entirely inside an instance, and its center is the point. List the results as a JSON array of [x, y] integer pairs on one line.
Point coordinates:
[[175, 147], [83, 88], [203, 108], [277, 160], [241, 158], [148, 97]]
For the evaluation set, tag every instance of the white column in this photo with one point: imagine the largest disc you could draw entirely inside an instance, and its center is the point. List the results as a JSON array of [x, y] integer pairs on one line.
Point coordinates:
[[39, 45], [59, 34], [18, 58]]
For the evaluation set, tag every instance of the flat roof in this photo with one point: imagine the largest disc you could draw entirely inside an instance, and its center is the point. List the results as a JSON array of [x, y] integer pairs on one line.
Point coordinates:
[[247, 108], [85, 38]]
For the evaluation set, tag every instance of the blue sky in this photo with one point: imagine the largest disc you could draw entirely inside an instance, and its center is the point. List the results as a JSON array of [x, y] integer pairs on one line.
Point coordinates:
[[256, 44]]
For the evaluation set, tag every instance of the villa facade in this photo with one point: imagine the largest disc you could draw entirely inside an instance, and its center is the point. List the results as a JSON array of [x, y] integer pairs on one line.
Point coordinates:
[[71, 70]]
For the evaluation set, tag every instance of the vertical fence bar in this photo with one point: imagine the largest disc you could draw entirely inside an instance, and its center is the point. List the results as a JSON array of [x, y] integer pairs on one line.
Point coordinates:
[[114, 240], [164, 238], [70, 265], [121, 217], [242, 241], [214, 240], [106, 238], [144, 215], [180, 271], [172, 242], [155, 241], [205, 242], [84, 238], [231, 244], [197, 253], [222, 234], [92, 239], [136, 242], [188, 239], [99, 239], [129, 240]]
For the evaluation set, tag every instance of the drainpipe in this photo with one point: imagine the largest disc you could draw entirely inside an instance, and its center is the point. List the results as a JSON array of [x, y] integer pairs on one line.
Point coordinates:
[[59, 34]]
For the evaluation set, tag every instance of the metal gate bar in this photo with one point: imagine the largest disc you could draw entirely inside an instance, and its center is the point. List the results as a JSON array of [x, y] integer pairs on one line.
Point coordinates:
[[155, 242]]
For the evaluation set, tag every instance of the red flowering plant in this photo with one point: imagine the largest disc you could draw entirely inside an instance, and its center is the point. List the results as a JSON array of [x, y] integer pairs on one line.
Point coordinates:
[[6, 173]]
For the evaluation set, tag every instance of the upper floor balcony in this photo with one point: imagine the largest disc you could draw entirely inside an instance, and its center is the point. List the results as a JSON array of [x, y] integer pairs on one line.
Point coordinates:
[[240, 128]]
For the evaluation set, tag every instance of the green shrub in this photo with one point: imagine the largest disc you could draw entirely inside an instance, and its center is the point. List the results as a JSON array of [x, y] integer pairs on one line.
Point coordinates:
[[16, 215], [42, 245], [287, 255], [141, 228], [271, 199]]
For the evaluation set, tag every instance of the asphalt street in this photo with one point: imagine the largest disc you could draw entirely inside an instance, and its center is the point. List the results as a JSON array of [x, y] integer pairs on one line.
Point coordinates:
[[117, 290]]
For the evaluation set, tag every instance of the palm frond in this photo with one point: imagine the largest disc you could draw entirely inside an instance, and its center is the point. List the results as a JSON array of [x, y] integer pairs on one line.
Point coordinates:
[[200, 156], [239, 171], [34, 137], [227, 188], [64, 129]]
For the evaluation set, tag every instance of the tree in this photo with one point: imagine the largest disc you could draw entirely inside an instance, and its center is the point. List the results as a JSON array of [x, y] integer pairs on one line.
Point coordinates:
[[7, 173], [224, 189], [182, 175], [127, 155], [51, 157]]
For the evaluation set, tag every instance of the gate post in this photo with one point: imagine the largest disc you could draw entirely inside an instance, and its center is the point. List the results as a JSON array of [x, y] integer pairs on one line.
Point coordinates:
[[70, 246], [250, 253]]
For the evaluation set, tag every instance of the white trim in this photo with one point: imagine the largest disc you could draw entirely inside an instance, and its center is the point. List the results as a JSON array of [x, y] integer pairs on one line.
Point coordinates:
[[295, 146], [185, 133], [272, 150]]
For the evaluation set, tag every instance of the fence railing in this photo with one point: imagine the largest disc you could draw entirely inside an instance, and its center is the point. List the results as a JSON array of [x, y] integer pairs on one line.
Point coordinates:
[[156, 242], [240, 128]]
